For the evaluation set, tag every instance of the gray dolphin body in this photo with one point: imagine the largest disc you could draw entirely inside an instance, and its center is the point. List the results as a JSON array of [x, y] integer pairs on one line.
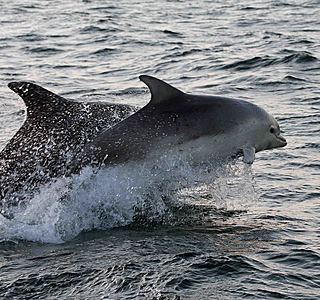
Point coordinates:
[[55, 131], [199, 127]]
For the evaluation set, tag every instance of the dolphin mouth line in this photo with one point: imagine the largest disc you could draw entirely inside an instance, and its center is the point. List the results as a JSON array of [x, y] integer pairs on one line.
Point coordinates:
[[282, 139]]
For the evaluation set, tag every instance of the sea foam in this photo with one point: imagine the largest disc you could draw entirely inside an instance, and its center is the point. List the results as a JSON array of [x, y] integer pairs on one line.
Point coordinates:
[[153, 192]]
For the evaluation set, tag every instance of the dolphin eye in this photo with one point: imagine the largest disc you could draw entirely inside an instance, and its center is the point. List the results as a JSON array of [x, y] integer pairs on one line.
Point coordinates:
[[272, 130]]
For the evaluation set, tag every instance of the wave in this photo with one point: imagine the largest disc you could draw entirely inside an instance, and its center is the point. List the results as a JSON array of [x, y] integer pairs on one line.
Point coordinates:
[[299, 57], [43, 50], [173, 33], [93, 29], [104, 51]]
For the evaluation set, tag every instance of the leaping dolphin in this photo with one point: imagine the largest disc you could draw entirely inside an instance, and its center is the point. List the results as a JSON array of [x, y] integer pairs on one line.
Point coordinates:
[[60, 137], [200, 127], [54, 131]]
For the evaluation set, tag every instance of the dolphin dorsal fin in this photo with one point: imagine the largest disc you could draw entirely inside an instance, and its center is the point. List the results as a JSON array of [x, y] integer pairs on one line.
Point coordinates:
[[36, 98], [160, 90]]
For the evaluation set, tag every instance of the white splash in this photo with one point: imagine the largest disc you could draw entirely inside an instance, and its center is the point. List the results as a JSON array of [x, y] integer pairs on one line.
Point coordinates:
[[113, 197]]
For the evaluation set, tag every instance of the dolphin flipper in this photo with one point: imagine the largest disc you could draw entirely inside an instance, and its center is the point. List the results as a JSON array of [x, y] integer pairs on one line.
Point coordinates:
[[249, 155]]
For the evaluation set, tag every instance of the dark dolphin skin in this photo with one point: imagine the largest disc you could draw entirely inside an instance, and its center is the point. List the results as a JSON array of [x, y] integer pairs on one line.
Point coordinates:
[[54, 132]]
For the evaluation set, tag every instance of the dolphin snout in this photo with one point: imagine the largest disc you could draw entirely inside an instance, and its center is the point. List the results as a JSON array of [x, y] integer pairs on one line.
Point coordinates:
[[282, 140]]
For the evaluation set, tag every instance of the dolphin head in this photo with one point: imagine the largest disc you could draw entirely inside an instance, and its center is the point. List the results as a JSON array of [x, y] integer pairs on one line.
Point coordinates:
[[268, 134], [222, 127]]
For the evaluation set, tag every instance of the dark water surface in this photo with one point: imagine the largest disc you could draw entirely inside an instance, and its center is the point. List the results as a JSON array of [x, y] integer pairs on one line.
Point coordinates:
[[251, 234]]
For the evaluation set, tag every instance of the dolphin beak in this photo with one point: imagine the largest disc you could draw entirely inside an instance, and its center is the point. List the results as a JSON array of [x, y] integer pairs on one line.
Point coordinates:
[[282, 141]]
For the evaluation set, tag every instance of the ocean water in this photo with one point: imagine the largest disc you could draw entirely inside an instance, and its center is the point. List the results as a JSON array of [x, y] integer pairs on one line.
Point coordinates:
[[175, 232]]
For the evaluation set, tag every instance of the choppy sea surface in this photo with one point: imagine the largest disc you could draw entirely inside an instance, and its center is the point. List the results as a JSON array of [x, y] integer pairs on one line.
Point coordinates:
[[227, 232]]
